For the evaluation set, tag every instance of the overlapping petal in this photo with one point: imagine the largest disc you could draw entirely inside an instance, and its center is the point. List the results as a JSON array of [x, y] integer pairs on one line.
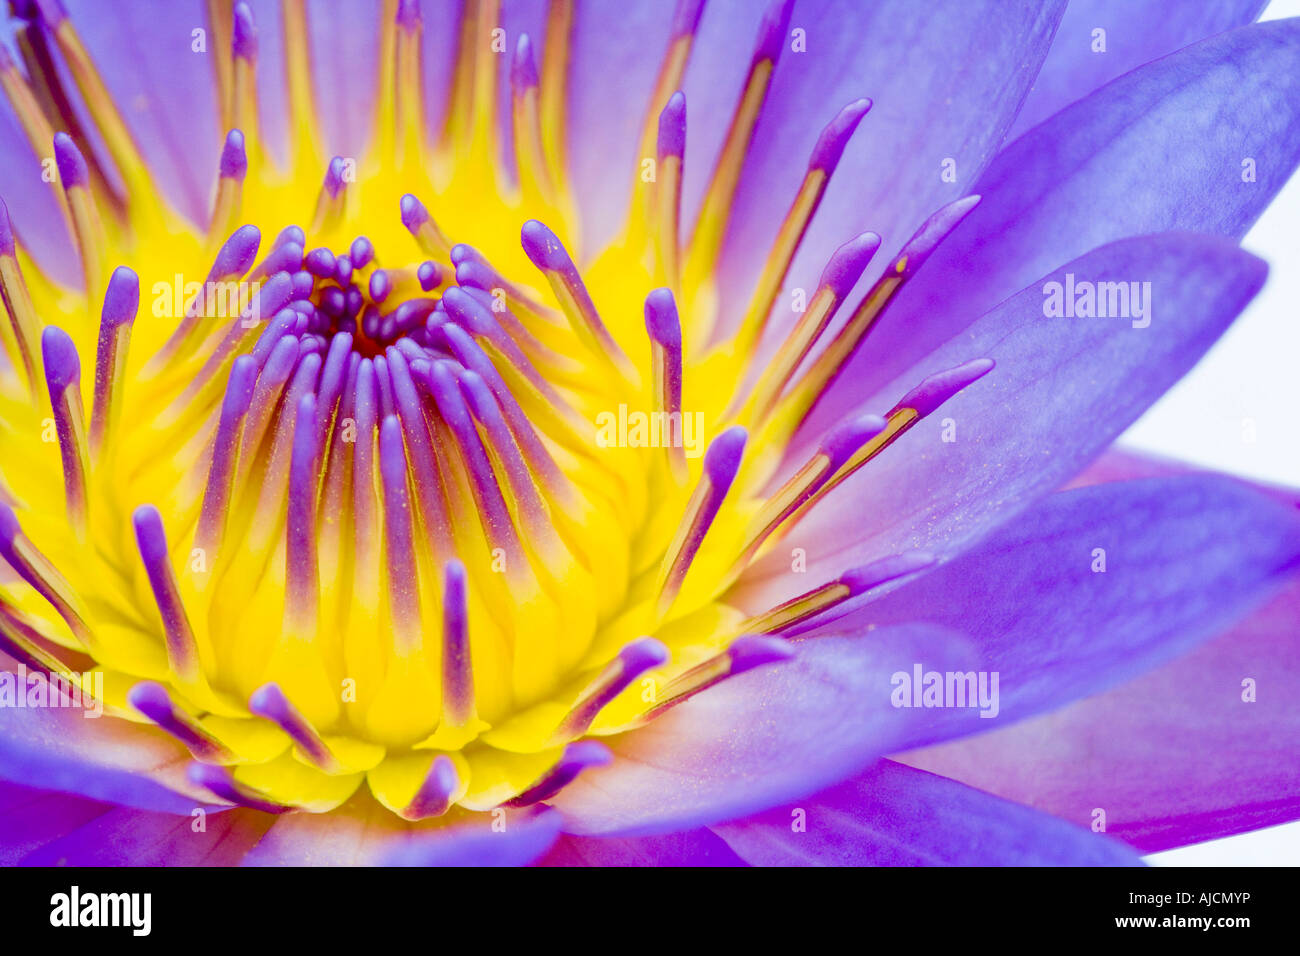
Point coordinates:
[[893, 815]]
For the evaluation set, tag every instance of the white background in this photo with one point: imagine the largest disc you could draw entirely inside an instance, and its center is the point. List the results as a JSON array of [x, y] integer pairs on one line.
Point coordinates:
[[1250, 377]]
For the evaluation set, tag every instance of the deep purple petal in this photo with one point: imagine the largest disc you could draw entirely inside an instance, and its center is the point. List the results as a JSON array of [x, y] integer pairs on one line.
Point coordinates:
[[685, 848], [1095, 586], [1062, 391], [765, 737], [1137, 32], [1159, 149], [893, 815], [1174, 757], [31, 818]]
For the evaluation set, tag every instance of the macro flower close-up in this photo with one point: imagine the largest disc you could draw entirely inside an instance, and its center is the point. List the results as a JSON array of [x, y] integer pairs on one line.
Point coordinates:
[[585, 432]]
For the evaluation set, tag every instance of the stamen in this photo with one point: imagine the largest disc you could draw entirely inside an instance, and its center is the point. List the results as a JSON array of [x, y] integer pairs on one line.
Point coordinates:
[[668, 210], [553, 92], [302, 577], [403, 588], [549, 255], [34, 568], [18, 304], [182, 649], [270, 702], [791, 614], [825, 156], [87, 229], [838, 279], [721, 462], [744, 654], [828, 365], [230, 186], [63, 377], [577, 757], [221, 473], [666, 363], [711, 225], [834, 451], [221, 782], [121, 303], [417, 221], [330, 203], [152, 700], [457, 670], [436, 793], [530, 156], [686, 20], [243, 88], [914, 406], [632, 661]]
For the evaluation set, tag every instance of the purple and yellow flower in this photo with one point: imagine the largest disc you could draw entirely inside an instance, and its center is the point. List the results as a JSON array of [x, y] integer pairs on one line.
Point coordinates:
[[565, 427]]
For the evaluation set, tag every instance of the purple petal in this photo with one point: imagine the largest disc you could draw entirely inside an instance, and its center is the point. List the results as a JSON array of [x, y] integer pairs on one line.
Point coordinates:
[[31, 818], [1137, 32], [885, 51], [105, 759], [1159, 149], [765, 737], [893, 815], [1095, 586], [1061, 392], [1174, 757], [125, 837], [363, 833], [685, 848]]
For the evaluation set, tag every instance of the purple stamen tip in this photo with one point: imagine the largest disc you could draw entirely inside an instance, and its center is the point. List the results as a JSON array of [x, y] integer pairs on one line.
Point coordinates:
[[687, 17], [847, 263], [380, 285], [9, 526], [361, 252], [243, 42], [234, 161], [408, 13], [754, 650], [334, 173], [62, 364], [320, 262], [429, 275], [239, 252], [941, 386], [151, 699], [290, 234], [661, 319], [122, 298], [860, 580], [149, 535], [722, 460], [303, 283], [461, 252], [543, 247], [771, 34], [523, 68], [72, 165], [583, 755], [932, 232], [269, 701], [844, 440], [830, 144], [51, 11], [643, 654], [343, 269], [7, 247], [672, 126], [414, 215]]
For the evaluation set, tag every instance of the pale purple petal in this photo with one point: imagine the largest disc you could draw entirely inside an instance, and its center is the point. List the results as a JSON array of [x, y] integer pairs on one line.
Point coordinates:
[[893, 815], [765, 737], [1177, 756]]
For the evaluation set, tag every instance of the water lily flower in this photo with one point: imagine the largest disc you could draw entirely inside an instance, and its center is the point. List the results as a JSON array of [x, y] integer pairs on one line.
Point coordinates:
[[592, 432]]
